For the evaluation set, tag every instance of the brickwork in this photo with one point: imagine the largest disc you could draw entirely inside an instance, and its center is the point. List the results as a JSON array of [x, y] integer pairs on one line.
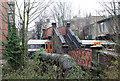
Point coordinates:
[[3, 20], [82, 57], [3, 24]]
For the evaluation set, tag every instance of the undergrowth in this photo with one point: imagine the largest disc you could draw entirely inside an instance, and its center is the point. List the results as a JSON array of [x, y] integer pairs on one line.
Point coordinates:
[[36, 68]]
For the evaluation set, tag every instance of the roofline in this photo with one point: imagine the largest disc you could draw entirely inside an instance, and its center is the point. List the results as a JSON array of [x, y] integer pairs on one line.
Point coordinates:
[[106, 19]]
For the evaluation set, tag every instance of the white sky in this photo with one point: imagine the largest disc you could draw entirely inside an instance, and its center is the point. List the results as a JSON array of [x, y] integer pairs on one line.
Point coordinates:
[[85, 6]]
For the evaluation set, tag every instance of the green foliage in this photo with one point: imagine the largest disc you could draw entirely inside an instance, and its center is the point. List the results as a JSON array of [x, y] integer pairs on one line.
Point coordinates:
[[41, 69], [74, 72], [111, 72], [36, 55], [46, 69], [12, 47], [35, 69]]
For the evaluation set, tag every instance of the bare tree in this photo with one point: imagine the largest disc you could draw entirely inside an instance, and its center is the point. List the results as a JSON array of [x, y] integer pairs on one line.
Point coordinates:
[[30, 12], [112, 9], [25, 14], [61, 11]]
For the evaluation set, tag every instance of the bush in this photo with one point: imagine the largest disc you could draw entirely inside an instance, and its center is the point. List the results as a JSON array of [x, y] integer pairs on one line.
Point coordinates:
[[34, 69]]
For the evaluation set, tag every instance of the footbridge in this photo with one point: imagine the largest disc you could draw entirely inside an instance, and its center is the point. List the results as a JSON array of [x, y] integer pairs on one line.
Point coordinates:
[[66, 42]]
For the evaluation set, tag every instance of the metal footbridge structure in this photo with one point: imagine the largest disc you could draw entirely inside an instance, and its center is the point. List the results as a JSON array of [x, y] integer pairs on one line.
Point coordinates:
[[64, 41]]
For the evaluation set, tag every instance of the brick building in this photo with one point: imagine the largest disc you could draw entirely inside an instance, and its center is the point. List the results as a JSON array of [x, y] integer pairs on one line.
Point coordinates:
[[6, 9]]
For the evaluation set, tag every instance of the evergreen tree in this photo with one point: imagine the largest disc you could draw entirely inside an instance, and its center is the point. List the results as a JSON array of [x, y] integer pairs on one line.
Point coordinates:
[[12, 47]]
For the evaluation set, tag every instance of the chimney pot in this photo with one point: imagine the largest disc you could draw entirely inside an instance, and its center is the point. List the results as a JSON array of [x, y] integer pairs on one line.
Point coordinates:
[[54, 25]]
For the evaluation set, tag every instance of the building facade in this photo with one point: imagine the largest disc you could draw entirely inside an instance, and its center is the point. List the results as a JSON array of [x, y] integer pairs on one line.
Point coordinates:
[[6, 10], [104, 29], [78, 23]]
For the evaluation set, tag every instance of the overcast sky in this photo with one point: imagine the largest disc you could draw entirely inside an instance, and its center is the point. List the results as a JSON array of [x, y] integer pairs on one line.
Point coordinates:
[[85, 6]]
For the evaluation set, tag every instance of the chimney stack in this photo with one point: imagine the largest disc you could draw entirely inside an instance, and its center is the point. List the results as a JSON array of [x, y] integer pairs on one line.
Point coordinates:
[[54, 25], [68, 25]]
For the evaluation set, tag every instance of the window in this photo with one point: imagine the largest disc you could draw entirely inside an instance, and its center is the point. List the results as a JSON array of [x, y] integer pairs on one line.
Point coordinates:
[[10, 17], [46, 46], [101, 27], [43, 45], [10, 7], [50, 46], [31, 46], [34, 46], [37, 46]]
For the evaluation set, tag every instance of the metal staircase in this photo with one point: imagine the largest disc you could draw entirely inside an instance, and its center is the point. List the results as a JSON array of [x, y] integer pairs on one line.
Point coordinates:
[[72, 40], [66, 42]]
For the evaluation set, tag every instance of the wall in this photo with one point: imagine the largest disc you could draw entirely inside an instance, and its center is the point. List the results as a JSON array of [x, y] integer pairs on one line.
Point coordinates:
[[78, 23], [101, 28], [57, 44], [3, 24]]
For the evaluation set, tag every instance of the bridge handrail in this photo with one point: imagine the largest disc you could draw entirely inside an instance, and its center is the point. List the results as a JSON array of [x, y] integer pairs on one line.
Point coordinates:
[[60, 36], [73, 38]]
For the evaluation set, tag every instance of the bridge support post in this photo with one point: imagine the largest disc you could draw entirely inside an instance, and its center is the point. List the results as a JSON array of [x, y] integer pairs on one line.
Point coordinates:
[[95, 57]]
